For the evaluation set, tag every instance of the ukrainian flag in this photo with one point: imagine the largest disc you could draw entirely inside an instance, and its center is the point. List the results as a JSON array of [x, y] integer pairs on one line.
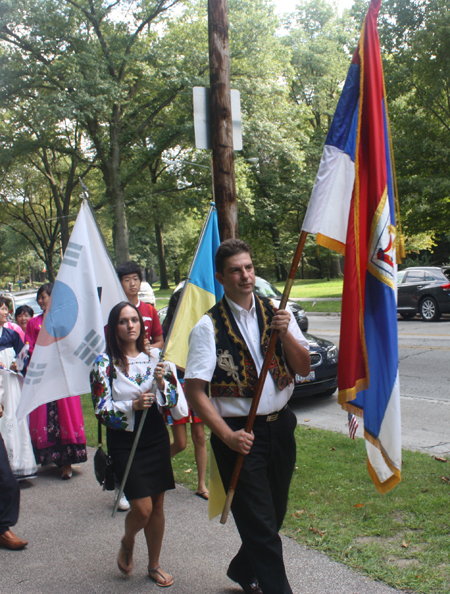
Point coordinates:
[[202, 292]]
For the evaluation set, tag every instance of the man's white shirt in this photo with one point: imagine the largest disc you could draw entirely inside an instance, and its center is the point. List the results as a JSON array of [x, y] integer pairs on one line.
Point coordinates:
[[201, 361]]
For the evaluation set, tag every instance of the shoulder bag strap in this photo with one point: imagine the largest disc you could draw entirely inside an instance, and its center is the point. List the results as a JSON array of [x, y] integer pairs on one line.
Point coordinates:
[[110, 377]]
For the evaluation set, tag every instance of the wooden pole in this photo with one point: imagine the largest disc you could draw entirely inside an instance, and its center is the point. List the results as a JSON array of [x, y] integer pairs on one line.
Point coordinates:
[[221, 122], [262, 375]]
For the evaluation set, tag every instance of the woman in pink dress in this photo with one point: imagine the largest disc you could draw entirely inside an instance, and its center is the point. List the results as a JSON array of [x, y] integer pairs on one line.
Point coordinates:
[[57, 428]]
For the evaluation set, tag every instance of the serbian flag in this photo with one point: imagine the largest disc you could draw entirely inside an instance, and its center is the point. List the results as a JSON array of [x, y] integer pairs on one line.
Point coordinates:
[[200, 293], [352, 211], [72, 332]]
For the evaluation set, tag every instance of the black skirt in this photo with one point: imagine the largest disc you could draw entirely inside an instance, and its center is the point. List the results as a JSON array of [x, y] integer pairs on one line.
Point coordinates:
[[151, 471]]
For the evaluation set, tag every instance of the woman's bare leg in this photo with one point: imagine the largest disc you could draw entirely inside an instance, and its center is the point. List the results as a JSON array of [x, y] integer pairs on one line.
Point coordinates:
[[201, 454], [136, 519], [179, 439], [154, 534]]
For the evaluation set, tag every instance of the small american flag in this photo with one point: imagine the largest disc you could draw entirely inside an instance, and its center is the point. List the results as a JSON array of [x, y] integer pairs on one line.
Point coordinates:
[[352, 425]]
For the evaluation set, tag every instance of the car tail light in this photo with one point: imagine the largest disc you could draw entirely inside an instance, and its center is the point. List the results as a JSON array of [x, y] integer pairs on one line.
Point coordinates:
[[446, 287]]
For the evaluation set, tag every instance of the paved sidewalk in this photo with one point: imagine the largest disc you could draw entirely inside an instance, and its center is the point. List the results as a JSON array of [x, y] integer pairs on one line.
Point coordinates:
[[74, 544]]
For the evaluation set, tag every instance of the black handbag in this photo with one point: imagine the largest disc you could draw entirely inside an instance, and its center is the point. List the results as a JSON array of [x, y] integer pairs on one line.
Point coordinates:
[[103, 467]]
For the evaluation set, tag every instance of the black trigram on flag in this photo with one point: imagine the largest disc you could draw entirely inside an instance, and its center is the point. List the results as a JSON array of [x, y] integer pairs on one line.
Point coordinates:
[[72, 254], [90, 347], [34, 373]]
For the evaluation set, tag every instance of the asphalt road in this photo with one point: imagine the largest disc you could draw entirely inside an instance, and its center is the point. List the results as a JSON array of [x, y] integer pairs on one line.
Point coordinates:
[[424, 367]]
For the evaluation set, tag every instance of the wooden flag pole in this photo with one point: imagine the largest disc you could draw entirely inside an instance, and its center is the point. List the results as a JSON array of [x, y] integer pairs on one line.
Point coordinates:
[[262, 375]]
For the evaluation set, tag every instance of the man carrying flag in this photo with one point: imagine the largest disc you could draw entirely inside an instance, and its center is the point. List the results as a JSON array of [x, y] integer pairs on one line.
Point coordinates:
[[226, 351], [352, 210]]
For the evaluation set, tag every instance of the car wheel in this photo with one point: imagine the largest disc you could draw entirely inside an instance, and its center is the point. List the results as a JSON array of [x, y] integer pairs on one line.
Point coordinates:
[[429, 310], [407, 315]]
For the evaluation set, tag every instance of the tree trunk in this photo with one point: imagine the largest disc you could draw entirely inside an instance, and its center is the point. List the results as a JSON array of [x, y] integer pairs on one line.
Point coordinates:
[[221, 121], [49, 265], [336, 271], [120, 232], [161, 257], [281, 270]]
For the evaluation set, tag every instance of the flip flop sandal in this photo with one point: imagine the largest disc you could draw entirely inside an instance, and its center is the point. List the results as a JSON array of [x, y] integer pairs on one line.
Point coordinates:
[[166, 583], [203, 495], [128, 552]]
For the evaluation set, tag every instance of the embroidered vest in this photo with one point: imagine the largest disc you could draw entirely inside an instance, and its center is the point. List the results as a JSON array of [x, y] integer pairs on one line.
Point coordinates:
[[235, 374]]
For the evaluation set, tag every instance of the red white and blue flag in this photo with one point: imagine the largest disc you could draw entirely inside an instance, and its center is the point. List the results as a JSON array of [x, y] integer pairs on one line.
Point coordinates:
[[352, 211]]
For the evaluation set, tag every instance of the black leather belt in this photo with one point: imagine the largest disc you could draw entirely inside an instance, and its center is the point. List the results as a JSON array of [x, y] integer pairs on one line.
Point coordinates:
[[272, 417], [241, 421]]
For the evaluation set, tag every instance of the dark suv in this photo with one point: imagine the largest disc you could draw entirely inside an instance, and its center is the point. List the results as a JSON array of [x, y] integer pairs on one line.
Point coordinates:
[[424, 290]]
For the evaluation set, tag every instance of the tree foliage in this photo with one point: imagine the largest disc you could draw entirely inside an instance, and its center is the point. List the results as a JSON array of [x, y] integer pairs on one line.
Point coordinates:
[[102, 90]]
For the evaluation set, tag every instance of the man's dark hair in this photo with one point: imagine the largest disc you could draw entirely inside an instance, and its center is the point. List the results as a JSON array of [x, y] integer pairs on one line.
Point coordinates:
[[129, 268], [228, 248], [114, 345], [48, 288], [24, 308]]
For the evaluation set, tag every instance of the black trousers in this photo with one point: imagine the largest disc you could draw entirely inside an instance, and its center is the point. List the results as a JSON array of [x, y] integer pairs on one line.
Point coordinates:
[[9, 492], [260, 501]]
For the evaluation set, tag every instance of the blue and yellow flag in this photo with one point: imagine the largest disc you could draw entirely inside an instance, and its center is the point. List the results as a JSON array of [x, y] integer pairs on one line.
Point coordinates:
[[202, 292]]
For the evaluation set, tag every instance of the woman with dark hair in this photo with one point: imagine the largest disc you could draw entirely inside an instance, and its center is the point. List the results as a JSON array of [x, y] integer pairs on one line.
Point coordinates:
[[124, 382], [57, 428], [23, 315], [179, 428], [15, 434]]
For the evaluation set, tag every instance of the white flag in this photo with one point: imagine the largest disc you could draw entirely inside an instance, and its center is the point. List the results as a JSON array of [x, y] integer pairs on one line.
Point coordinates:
[[72, 333]]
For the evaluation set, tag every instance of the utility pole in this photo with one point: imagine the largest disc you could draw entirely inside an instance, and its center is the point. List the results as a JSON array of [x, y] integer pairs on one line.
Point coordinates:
[[224, 182]]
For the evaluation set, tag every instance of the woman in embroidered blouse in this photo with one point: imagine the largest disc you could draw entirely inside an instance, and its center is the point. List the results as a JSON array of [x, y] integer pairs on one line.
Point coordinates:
[[120, 395]]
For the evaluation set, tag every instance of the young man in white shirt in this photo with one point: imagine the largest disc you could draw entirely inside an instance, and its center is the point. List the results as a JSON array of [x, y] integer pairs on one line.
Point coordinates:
[[226, 351]]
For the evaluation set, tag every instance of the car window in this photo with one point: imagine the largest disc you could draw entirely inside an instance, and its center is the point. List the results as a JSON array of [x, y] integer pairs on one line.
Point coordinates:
[[29, 300], [264, 289], [415, 276], [436, 276], [400, 275]]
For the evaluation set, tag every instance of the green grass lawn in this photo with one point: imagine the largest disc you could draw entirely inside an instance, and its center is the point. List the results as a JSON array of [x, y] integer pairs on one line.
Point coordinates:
[[302, 288], [322, 306], [315, 288], [400, 538]]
